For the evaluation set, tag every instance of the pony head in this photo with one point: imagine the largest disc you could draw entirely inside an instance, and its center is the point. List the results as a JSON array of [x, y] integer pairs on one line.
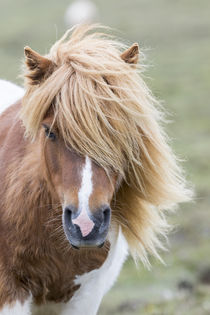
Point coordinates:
[[99, 129]]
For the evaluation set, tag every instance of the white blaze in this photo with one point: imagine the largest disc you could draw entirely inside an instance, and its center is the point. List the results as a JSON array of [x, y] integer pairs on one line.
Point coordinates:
[[83, 220]]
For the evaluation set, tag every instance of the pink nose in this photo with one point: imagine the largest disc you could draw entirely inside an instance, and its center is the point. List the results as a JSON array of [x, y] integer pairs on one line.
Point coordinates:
[[85, 224], [84, 228]]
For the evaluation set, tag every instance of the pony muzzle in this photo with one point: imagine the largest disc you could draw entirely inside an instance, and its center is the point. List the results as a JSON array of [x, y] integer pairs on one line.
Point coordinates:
[[84, 229]]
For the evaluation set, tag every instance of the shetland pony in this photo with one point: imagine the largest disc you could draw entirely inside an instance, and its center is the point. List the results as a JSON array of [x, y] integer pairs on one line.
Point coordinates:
[[86, 173]]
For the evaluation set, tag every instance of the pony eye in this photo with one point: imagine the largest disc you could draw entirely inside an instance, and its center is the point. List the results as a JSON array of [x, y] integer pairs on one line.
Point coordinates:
[[49, 134]]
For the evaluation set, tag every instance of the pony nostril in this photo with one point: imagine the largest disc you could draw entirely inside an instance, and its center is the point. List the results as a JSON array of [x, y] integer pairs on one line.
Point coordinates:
[[106, 215], [68, 214]]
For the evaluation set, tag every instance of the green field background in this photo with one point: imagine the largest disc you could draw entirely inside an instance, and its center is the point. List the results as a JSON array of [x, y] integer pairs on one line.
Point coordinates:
[[175, 36]]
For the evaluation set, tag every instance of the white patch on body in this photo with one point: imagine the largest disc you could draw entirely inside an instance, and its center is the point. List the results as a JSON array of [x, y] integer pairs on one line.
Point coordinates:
[[95, 284], [9, 94], [17, 308], [83, 220]]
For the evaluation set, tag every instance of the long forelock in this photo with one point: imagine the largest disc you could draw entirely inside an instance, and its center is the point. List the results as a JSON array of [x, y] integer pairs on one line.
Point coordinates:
[[94, 93]]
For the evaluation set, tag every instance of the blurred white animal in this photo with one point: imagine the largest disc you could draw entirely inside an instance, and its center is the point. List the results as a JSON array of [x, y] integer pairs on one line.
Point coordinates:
[[9, 94], [80, 11]]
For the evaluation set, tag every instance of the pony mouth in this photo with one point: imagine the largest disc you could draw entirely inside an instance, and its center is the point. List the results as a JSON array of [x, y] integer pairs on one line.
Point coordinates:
[[88, 246], [91, 241]]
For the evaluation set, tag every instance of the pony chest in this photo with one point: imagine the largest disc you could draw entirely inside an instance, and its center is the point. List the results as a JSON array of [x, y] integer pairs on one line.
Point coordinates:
[[94, 284], [52, 278]]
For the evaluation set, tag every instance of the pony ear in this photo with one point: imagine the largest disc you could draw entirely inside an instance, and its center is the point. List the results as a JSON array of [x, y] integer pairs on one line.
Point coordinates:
[[131, 55], [39, 67]]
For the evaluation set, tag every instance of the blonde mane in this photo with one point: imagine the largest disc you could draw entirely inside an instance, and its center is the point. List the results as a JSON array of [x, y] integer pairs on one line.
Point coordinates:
[[103, 109]]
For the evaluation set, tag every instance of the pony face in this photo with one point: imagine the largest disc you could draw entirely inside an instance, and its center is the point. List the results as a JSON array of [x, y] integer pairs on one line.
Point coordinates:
[[84, 189]]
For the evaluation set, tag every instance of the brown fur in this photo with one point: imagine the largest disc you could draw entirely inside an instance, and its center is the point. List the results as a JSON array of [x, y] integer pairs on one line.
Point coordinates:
[[131, 55], [35, 257], [39, 67]]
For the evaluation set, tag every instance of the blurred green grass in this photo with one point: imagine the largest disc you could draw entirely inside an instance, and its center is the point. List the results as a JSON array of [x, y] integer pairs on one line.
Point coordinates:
[[176, 38]]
